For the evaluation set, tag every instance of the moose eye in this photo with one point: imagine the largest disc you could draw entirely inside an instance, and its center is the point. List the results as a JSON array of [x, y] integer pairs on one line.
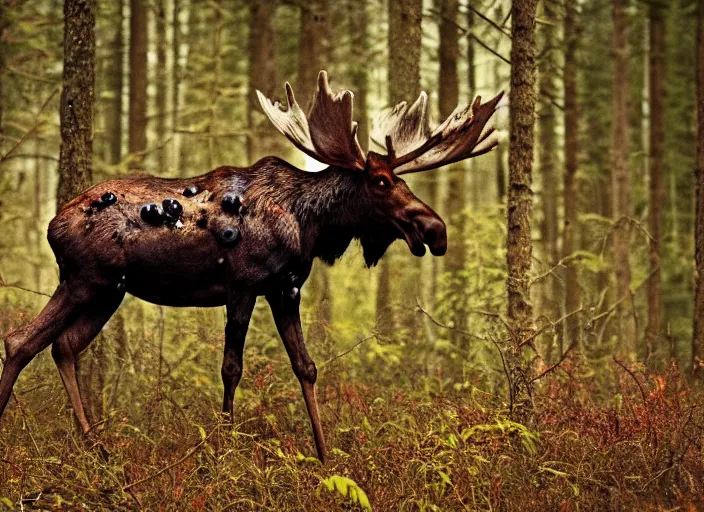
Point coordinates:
[[382, 183]]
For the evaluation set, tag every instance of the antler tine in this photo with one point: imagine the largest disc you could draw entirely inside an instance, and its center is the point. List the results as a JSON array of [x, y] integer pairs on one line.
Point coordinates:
[[462, 135], [327, 133], [408, 127]]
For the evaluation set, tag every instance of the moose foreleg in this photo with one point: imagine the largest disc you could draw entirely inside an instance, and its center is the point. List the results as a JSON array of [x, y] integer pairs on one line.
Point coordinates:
[[239, 311], [288, 322]]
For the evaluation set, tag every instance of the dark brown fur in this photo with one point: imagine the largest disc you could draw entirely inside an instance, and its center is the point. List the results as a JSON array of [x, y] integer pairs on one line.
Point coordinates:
[[289, 218]]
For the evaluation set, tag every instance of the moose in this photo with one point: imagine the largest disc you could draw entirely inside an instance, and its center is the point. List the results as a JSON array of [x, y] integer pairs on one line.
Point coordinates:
[[235, 234]]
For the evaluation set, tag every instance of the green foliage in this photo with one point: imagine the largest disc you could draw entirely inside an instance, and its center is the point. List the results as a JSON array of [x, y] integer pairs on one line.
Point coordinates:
[[349, 489]]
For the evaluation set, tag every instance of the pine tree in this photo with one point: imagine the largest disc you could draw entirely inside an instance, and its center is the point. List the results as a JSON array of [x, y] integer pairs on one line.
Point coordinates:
[[698, 315], [138, 81], [571, 119], [520, 195], [656, 161], [620, 178], [77, 100]]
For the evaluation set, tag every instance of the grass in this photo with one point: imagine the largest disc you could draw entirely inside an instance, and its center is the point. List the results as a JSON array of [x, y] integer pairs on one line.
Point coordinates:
[[417, 447]]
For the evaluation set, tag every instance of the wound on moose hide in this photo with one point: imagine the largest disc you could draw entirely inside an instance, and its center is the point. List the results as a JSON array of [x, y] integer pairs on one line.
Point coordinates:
[[228, 236], [152, 214], [107, 199], [190, 191], [231, 203], [172, 209]]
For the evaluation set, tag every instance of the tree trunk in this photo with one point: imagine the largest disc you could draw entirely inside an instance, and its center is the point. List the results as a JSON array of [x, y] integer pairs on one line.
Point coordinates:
[[571, 118], [448, 99], [77, 100], [500, 152], [657, 149], [698, 331], [312, 49], [405, 17], [161, 85], [176, 77], [216, 51], [76, 117], [313, 56], [547, 144], [262, 71], [113, 77], [138, 81], [520, 195], [621, 180], [359, 65], [4, 24]]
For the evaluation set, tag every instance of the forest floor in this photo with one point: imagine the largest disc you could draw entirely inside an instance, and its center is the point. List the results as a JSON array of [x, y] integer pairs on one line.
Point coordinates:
[[390, 448]]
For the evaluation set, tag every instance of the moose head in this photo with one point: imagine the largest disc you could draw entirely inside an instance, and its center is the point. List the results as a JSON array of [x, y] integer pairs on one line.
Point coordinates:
[[235, 234], [406, 145]]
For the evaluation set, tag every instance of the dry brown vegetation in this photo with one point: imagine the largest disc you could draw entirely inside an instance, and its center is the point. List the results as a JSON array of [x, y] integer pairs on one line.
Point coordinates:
[[401, 440]]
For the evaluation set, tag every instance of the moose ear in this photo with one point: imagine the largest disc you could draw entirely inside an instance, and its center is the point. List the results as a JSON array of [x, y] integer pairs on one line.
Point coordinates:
[[375, 244]]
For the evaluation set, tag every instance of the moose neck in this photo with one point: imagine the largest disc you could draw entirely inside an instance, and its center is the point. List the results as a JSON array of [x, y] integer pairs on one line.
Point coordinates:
[[329, 206]]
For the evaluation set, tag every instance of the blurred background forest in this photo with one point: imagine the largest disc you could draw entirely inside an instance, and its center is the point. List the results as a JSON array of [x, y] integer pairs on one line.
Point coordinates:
[[437, 392]]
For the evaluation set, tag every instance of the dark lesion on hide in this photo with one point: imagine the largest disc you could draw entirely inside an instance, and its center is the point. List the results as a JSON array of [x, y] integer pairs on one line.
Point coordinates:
[[190, 191], [107, 199]]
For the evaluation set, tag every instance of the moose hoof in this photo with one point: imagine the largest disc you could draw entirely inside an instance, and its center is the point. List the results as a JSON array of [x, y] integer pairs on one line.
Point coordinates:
[[107, 199], [231, 203], [228, 236], [190, 191], [152, 214], [172, 209]]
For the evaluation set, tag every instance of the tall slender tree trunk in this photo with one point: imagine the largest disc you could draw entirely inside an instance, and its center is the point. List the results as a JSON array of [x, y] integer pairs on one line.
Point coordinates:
[[314, 55], [262, 71], [571, 118], [77, 100], [4, 24], [547, 144], [500, 152], [405, 17], [161, 85], [312, 48], [657, 149], [698, 313], [113, 77], [520, 194], [218, 24], [448, 99], [138, 82], [621, 179], [76, 117], [359, 66], [176, 77]]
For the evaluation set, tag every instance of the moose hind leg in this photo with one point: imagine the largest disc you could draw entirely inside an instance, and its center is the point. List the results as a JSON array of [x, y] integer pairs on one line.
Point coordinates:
[[72, 342], [22, 345], [239, 311]]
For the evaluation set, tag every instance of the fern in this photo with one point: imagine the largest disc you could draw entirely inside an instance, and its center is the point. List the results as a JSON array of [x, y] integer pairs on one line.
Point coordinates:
[[347, 488]]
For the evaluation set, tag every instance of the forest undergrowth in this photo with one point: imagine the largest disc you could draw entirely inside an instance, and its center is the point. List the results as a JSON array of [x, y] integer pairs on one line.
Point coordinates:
[[396, 441]]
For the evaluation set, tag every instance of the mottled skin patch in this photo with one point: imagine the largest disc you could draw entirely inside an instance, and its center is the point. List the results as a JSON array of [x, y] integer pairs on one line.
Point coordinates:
[[171, 265]]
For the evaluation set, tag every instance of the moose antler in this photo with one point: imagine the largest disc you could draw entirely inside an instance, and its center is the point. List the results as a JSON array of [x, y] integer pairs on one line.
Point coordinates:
[[412, 147], [327, 133]]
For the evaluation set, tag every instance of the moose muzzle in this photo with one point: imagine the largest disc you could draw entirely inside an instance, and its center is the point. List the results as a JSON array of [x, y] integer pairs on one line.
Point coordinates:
[[434, 233], [424, 229]]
